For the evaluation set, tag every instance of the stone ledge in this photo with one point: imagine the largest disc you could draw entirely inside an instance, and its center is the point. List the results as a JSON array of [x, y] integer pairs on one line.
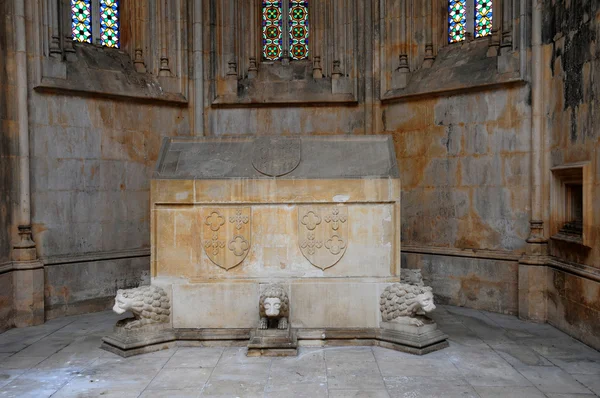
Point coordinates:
[[320, 337], [94, 256], [103, 72], [505, 255]]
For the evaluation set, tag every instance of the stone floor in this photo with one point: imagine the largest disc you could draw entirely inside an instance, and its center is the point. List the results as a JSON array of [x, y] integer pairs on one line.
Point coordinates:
[[490, 355]]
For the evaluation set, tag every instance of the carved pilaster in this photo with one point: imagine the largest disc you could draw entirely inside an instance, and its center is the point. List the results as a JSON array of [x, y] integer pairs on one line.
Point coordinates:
[[53, 10], [507, 19], [494, 48], [429, 58], [165, 69], [67, 34]]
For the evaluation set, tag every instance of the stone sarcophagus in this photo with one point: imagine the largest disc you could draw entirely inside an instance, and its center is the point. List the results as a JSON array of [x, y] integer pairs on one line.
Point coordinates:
[[319, 216]]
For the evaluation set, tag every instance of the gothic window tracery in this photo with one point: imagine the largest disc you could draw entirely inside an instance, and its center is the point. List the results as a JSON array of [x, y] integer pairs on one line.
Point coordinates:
[[285, 29], [101, 27], [462, 19]]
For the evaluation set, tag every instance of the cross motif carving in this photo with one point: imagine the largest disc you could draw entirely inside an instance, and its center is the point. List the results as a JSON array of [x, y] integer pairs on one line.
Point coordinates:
[[311, 220], [335, 218], [215, 243], [238, 245], [239, 219], [310, 243]]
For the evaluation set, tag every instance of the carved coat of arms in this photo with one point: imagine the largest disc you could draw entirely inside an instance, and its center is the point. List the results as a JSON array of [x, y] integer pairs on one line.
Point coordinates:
[[323, 234], [226, 235]]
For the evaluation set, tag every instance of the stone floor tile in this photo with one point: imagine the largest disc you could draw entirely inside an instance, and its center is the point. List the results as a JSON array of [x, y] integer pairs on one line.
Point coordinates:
[[45, 347], [417, 366], [385, 354], [353, 375], [8, 375], [358, 394], [592, 382], [36, 384], [244, 372], [503, 392], [463, 336], [578, 366], [238, 355], [421, 388], [562, 348], [305, 369], [308, 390], [181, 393], [518, 355], [16, 362], [360, 354], [180, 378], [233, 388], [571, 396], [195, 357], [553, 380]]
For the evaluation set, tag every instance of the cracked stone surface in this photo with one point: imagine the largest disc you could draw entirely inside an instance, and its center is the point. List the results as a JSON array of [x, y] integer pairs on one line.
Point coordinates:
[[490, 355]]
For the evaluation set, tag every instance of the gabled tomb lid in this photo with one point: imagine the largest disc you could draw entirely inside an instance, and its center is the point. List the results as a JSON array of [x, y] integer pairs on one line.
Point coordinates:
[[287, 157]]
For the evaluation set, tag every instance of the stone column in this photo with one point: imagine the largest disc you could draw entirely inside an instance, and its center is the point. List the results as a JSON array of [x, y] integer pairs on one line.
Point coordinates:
[[401, 74], [507, 23], [198, 67], [139, 12], [253, 27], [163, 24], [532, 269], [316, 21], [65, 13], [28, 270], [429, 58], [337, 28], [494, 48], [53, 9]]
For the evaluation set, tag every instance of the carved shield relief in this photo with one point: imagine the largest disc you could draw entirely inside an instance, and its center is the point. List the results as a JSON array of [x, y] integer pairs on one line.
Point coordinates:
[[323, 234], [276, 156], [226, 235]]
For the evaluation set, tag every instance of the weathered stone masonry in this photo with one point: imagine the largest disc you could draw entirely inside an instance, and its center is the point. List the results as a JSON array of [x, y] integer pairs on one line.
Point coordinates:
[[477, 128]]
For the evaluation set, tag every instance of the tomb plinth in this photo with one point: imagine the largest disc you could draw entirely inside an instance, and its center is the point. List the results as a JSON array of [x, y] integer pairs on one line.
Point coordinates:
[[318, 215]]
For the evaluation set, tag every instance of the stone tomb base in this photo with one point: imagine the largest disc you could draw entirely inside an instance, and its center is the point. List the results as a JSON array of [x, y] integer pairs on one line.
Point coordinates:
[[417, 340], [411, 339], [273, 343]]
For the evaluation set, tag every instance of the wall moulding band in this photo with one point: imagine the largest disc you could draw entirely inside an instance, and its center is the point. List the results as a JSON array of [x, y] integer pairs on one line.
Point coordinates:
[[95, 256], [503, 255]]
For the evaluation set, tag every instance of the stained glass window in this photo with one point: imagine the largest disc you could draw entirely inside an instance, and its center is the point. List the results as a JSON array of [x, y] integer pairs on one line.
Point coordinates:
[[299, 29], [457, 20], [109, 23], [81, 20], [272, 24], [483, 17]]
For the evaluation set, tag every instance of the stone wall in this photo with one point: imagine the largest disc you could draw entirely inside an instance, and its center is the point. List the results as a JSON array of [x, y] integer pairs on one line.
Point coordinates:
[[8, 171], [91, 165], [464, 164], [571, 47]]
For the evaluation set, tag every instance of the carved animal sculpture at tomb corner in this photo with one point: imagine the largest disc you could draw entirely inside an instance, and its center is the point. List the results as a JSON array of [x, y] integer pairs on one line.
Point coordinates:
[[406, 303], [149, 305], [274, 307]]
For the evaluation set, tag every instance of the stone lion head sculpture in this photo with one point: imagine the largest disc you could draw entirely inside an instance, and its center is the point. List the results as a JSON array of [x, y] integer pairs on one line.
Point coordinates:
[[404, 300], [148, 304], [274, 304]]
